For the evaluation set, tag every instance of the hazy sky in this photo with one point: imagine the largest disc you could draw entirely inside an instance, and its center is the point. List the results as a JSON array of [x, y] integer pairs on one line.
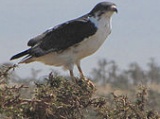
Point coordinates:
[[135, 34]]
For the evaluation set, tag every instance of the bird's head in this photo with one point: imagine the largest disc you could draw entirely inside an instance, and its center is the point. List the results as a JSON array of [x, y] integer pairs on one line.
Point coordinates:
[[103, 9]]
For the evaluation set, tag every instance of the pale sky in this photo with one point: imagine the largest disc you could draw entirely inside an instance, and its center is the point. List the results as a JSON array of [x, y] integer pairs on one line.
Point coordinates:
[[135, 33]]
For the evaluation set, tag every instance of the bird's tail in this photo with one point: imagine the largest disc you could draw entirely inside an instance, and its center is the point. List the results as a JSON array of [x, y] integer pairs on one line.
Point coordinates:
[[26, 52]]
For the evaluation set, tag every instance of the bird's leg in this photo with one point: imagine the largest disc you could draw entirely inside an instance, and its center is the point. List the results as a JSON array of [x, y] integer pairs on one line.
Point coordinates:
[[72, 75], [80, 71], [83, 77]]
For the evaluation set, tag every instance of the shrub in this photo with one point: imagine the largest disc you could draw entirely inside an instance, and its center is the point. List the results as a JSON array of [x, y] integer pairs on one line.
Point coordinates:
[[57, 97]]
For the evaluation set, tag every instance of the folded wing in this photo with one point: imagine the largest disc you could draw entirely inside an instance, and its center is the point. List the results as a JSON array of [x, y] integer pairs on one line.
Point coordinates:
[[60, 37]]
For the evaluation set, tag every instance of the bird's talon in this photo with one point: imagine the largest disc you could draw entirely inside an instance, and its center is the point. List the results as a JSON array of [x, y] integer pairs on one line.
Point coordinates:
[[90, 83]]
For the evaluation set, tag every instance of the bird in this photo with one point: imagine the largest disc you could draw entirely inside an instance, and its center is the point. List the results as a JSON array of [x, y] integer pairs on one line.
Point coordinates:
[[68, 43]]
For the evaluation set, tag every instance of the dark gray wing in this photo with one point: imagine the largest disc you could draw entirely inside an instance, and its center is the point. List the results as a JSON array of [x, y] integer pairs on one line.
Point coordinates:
[[59, 38], [38, 39]]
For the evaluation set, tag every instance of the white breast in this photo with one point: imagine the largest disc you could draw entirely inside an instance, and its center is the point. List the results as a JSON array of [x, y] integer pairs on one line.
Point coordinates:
[[92, 44]]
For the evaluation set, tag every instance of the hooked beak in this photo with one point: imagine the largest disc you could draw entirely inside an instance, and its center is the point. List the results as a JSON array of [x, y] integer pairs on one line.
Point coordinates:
[[114, 8]]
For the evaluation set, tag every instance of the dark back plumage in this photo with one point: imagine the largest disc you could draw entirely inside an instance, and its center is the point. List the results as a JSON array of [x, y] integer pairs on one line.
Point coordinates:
[[60, 37]]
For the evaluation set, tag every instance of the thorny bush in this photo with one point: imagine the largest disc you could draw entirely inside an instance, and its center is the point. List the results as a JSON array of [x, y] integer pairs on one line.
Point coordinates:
[[59, 98]]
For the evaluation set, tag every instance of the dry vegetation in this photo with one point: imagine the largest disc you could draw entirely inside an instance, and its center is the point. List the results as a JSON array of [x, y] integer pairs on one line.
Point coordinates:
[[129, 94]]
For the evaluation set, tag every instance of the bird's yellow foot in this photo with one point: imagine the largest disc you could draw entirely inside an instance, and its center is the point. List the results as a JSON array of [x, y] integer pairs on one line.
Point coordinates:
[[89, 82]]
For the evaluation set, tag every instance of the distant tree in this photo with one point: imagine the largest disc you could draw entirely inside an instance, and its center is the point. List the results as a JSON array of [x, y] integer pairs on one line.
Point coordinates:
[[153, 73], [105, 72], [136, 74]]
